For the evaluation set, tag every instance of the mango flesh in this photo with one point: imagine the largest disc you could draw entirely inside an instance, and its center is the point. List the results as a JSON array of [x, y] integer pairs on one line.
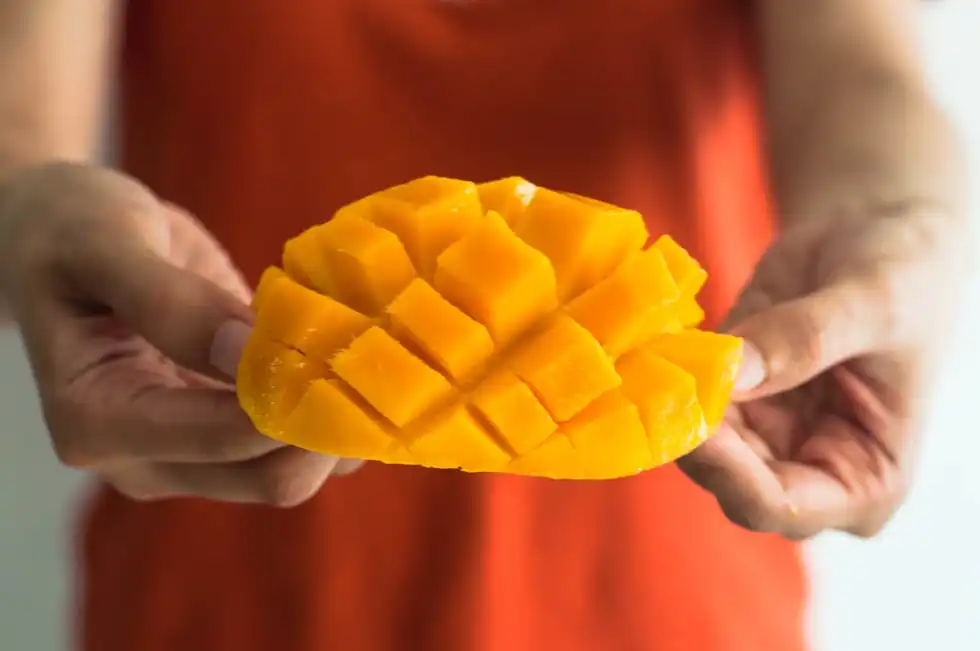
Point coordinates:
[[493, 327]]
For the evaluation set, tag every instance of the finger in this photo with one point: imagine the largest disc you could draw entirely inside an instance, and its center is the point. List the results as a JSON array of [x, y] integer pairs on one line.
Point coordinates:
[[744, 485], [791, 343], [865, 453], [192, 246], [347, 467], [792, 499], [818, 502], [108, 424], [284, 478], [124, 264], [187, 317], [107, 396]]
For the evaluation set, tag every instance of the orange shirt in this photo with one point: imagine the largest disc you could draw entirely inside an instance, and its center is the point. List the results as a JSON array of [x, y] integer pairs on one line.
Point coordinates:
[[262, 117]]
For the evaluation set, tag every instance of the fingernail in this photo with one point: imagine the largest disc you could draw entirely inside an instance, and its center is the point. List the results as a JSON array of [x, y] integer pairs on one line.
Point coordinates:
[[753, 370], [226, 348]]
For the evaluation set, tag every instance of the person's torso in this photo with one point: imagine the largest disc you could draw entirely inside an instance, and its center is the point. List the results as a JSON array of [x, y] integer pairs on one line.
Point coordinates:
[[262, 118]]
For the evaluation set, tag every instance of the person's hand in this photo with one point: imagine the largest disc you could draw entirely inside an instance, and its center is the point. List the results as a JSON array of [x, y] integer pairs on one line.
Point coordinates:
[[844, 321], [133, 319]]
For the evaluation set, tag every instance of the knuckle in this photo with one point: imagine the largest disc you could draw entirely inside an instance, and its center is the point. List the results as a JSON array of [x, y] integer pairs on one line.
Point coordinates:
[[346, 467], [235, 440], [758, 521], [221, 447], [71, 453], [286, 483], [813, 349], [752, 516], [799, 535], [72, 444], [868, 529], [140, 493], [233, 445], [882, 514], [138, 483], [811, 344]]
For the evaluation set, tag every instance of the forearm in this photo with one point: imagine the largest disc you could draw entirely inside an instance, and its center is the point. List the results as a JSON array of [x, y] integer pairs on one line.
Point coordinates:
[[848, 105], [54, 61], [874, 131]]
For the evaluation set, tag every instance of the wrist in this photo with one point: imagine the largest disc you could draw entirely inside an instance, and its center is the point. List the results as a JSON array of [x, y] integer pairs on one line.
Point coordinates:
[[875, 145], [17, 175]]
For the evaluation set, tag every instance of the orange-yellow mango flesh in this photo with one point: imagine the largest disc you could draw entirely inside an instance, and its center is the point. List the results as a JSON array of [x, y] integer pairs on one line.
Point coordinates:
[[427, 215], [271, 381], [497, 327], [556, 458], [666, 396], [712, 358], [584, 239], [452, 341], [507, 197], [354, 432], [565, 367], [513, 412], [616, 309], [270, 277], [604, 441], [688, 273], [314, 324], [458, 440], [390, 378], [689, 314], [609, 436], [497, 279], [354, 261]]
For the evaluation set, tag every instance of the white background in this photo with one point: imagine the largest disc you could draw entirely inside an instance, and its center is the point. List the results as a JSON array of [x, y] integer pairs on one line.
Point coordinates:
[[915, 586]]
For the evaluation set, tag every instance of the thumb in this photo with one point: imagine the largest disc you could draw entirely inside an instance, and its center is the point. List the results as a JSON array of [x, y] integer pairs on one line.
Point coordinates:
[[791, 343], [188, 318]]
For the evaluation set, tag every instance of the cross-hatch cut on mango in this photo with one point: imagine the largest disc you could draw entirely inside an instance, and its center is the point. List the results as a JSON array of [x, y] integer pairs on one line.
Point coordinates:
[[494, 327]]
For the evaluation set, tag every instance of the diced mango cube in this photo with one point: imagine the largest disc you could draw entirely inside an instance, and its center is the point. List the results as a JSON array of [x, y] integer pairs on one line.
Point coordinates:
[[515, 413], [666, 396], [712, 358], [609, 434], [368, 266], [354, 432], [689, 313], [314, 324], [400, 456], [427, 214], [584, 239], [565, 367], [269, 279], [507, 197], [453, 341], [555, 459], [271, 380], [304, 261], [390, 378], [658, 322], [458, 440], [689, 275], [497, 279], [616, 309]]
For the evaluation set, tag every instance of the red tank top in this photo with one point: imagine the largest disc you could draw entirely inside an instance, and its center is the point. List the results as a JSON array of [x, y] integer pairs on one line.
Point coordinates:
[[263, 117]]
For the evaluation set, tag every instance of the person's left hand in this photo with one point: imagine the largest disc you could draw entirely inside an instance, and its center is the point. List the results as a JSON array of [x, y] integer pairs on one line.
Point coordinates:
[[844, 322]]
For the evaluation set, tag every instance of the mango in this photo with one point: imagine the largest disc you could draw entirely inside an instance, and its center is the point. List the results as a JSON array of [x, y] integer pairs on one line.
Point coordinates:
[[487, 327]]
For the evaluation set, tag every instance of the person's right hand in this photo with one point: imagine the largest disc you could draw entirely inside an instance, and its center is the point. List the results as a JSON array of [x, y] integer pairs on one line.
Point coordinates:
[[133, 318]]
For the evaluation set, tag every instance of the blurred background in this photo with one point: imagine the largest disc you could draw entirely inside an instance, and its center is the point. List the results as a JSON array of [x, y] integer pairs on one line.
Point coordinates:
[[916, 585]]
